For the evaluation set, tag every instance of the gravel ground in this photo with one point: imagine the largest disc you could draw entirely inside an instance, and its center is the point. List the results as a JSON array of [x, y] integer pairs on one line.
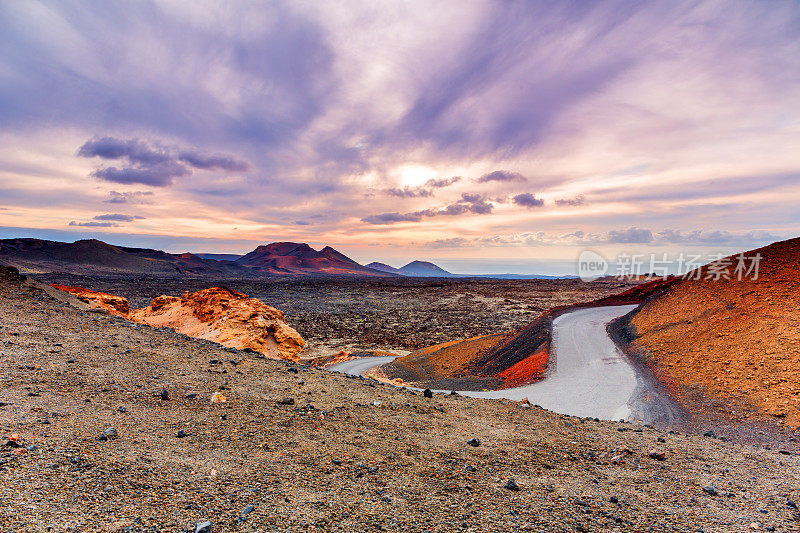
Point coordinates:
[[345, 454], [397, 314]]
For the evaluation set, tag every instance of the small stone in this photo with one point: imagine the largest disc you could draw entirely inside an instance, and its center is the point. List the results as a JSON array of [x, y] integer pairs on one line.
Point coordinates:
[[710, 434], [203, 527], [474, 443], [377, 403], [246, 511], [427, 393], [791, 504], [657, 455], [711, 490], [755, 525], [163, 394], [512, 485], [613, 499], [122, 409], [191, 396], [181, 434], [286, 401], [109, 434], [218, 397]]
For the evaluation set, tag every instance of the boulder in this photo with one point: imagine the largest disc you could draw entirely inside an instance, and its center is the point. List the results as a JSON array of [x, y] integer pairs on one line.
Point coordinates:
[[228, 317]]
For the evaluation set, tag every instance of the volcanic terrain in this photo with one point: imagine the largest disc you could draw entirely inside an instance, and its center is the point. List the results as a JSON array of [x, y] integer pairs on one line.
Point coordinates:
[[728, 341], [110, 425]]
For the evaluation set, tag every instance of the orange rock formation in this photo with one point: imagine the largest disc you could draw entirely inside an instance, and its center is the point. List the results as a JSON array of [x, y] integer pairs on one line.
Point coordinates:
[[228, 317], [116, 305]]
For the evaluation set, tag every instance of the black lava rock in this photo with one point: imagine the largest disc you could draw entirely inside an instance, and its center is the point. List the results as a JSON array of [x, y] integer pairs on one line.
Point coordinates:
[[427, 393], [512, 485], [474, 443]]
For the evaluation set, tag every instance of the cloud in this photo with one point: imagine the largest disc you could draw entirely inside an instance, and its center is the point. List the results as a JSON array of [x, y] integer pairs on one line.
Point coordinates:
[[134, 197], [469, 203], [502, 175], [156, 176], [95, 224], [410, 192], [527, 200], [216, 162], [152, 163], [134, 150], [302, 223], [116, 217], [571, 202], [453, 242], [390, 218], [631, 236], [425, 190]]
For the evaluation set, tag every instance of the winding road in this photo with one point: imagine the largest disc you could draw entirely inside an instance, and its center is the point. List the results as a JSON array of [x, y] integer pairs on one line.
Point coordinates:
[[588, 374]]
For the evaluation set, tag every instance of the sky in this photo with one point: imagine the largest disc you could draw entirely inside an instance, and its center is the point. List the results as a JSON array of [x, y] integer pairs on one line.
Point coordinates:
[[485, 136]]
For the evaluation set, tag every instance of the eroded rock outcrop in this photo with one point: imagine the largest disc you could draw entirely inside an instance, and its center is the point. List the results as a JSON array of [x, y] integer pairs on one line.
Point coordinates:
[[228, 317], [116, 305], [218, 314]]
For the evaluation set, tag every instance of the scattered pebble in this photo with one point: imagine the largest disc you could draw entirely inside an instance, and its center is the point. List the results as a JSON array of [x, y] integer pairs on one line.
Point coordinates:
[[512, 485], [474, 443]]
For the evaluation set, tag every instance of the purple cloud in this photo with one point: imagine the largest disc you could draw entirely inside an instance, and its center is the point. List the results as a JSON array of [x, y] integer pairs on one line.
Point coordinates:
[[151, 165], [423, 190], [502, 175], [469, 203], [217, 162], [391, 218], [571, 202], [116, 217], [630, 236], [134, 197], [94, 224], [527, 200], [156, 176]]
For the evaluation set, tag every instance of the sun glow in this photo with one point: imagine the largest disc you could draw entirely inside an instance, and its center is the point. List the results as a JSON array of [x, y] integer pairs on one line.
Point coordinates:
[[413, 175]]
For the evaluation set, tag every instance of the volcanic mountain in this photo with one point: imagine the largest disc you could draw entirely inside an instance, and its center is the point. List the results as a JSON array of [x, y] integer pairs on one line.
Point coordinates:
[[424, 269], [383, 267], [92, 256], [735, 342], [300, 258], [418, 269]]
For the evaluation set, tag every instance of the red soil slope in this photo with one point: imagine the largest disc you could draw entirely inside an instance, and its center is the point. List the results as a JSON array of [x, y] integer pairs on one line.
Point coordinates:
[[501, 360], [732, 340]]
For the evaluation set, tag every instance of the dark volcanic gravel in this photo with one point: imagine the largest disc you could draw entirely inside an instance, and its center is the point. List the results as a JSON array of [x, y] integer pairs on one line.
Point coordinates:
[[349, 455], [386, 314]]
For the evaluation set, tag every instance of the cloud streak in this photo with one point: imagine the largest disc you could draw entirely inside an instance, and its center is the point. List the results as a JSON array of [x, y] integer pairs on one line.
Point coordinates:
[[152, 164]]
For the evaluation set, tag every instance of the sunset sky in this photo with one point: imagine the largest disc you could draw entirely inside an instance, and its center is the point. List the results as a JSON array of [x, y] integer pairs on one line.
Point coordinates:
[[485, 136]]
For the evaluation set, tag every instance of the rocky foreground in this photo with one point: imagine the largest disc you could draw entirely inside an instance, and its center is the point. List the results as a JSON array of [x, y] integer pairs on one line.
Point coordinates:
[[108, 425]]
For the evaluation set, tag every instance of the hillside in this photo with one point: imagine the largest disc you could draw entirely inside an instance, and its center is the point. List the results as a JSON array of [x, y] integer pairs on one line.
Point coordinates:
[[109, 426], [730, 341], [383, 267], [299, 258], [91, 256], [424, 269]]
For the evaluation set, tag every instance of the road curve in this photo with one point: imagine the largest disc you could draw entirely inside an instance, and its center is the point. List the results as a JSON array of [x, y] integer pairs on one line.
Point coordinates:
[[587, 376]]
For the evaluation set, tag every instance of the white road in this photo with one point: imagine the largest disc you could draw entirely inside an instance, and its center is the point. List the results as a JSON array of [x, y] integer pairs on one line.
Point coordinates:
[[587, 376]]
